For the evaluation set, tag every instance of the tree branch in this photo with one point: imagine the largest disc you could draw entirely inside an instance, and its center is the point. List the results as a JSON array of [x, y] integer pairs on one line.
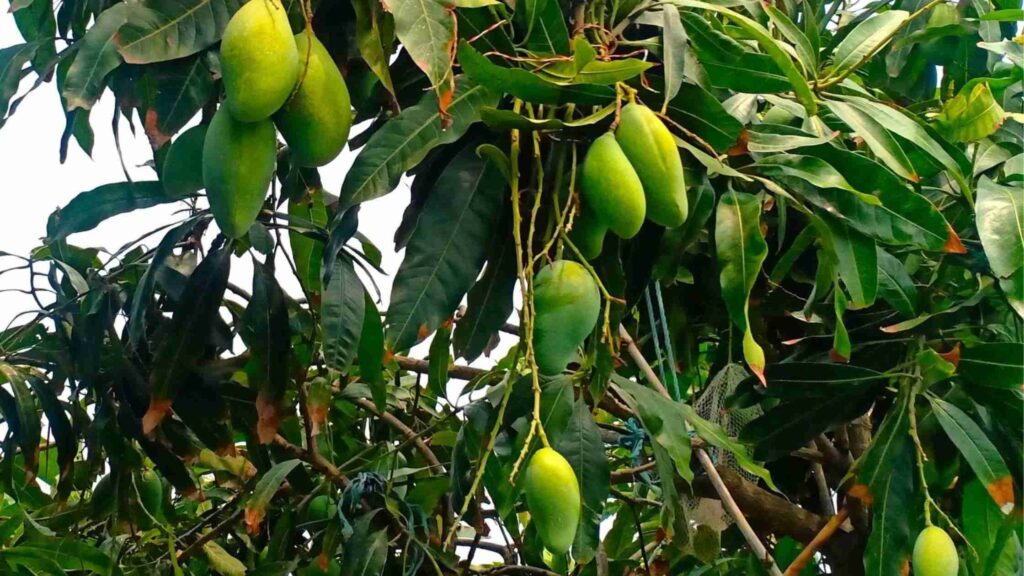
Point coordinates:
[[819, 540], [317, 461], [397, 424]]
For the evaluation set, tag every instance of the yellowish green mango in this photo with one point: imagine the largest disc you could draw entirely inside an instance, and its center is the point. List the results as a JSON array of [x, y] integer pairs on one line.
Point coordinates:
[[259, 60], [182, 170], [238, 165], [567, 303], [316, 120], [652, 151], [588, 233], [935, 554], [612, 188], [553, 497]]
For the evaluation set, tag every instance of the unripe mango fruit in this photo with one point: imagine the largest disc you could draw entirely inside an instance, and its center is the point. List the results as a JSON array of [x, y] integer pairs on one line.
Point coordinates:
[[612, 188], [259, 60], [652, 151], [238, 165], [588, 233], [316, 121], [553, 496], [935, 554], [182, 171], [567, 303]]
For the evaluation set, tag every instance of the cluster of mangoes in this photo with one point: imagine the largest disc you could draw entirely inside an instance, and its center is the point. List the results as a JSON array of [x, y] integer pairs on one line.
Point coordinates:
[[271, 78], [633, 174]]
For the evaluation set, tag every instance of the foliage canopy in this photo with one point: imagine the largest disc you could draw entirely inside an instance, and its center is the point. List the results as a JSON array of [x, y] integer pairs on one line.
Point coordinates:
[[849, 276]]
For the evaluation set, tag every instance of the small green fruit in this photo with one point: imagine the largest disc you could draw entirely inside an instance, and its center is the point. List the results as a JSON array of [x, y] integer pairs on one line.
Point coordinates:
[[612, 188], [935, 554], [652, 151], [567, 304], [588, 233], [316, 121], [320, 509], [259, 60], [553, 496], [182, 173], [238, 165]]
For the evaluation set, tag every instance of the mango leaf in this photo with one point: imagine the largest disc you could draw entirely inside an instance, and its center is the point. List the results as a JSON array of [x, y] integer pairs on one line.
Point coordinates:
[[439, 359], [263, 493], [895, 286], [489, 302], [763, 142], [188, 333], [73, 555], [307, 252], [999, 212], [221, 561], [673, 52], [716, 436], [21, 414], [268, 335], [870, 35], [994, 365], [806, 53], [144, 289], [728, 63], [982, 521], [473, 23], [664, 421], [406, 139], [875, 135], [601, 73], [427, 30], [700, 112], [508, 119], [857, 257], [969, 117], [524, 84], [371, 353], [884, 482], [159, 31], [741, 250], [375, 33], [546, 32], [88, 209], [96, 56], [12, 60], [342, 310], [176, 92], [580, 443], [366, 551], [59, 426], [770, 46], [447, 249], [978, 450]]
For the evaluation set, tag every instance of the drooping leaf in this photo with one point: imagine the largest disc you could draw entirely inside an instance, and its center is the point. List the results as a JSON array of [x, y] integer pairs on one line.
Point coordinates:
[[221, 561], [895, 286], [371, 353], [673, 52], [982, 521], [158, 31], [175, 92], [978, 450], [367, 549], [741, 249], [580, 443], [263, 493], [489, 302], [664, 421], [700, 112], [95, 57], [12, 60], [308, 252], [447, 249], [546, 32], [805, 51], [427, 30], [374, 35], [439, 361], [20, 412], [59, 426], [999, 211], [188, 333], [89, 209], [858, 261], [404, 141], [877, 137], [269, 338], [342, 309], [716, 436]]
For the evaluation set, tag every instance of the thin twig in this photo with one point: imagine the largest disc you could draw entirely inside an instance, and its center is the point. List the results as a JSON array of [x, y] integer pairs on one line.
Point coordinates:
[[812, 548]]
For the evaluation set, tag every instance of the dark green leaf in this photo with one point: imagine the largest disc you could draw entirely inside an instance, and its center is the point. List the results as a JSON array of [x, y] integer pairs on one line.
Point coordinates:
[[371, 353], [1000, 215], [367, 549], [22, 415], [994, 365], [546, 32], [447, 249], [12, 60], [673, 51], [581, 445], [865, 39], [374, 35], [269, 338], [158, 30], [342, 310], [95, 57], [89, 209], [263, 493], [857, 257], [895, 286], [489, 302], [427, 30], [404, 141], [178, 91], [700, 112]]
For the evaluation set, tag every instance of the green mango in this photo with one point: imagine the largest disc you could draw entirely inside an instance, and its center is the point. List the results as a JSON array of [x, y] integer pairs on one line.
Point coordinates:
[[612, 188], [652, 151], [567, 303], [151, 493], [588, 233], [259, 60], [182, 171], [316, 121], [935, 554], [238, 165], [553, 497]]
